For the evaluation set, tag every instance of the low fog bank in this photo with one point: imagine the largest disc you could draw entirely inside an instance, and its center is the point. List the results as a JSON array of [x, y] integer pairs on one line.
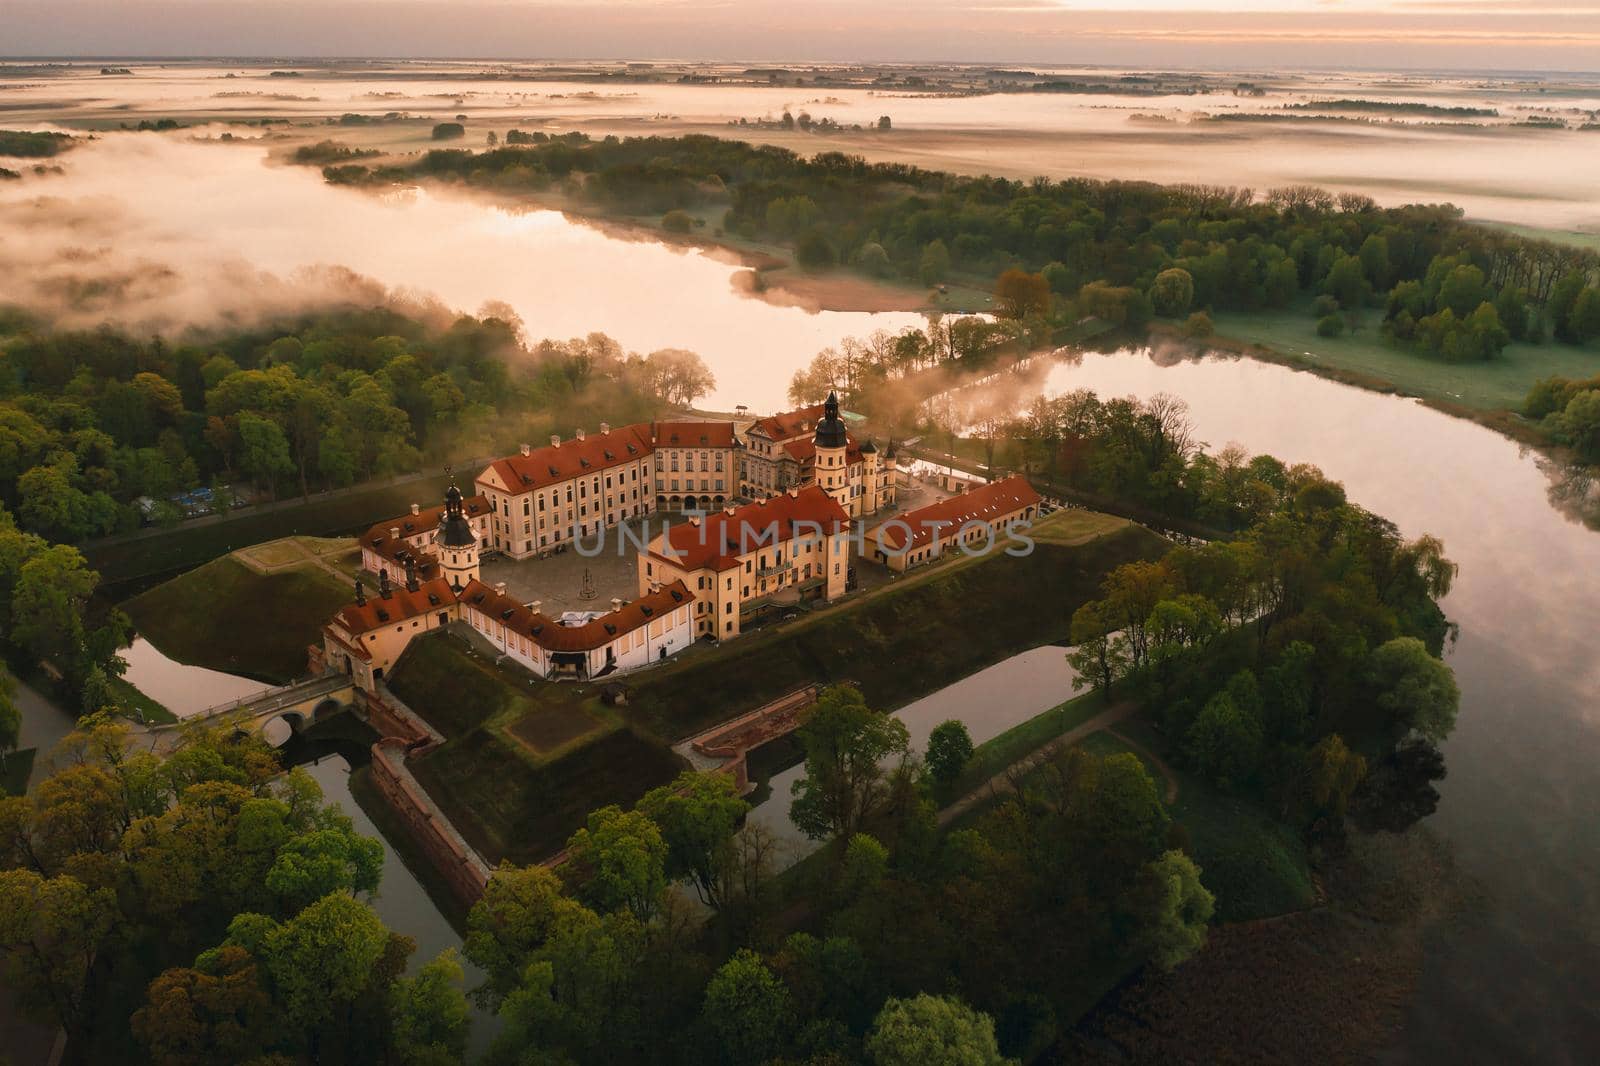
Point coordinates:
[[163, 233]]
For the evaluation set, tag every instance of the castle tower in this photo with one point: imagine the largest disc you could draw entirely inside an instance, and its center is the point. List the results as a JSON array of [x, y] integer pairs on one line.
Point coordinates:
[[833, 475], [890, 493], [871, 499], [455, 544]]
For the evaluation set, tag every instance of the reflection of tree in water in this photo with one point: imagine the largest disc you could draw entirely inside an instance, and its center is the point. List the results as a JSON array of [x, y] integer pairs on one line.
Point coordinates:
[[1574, 490], [1398, 792]]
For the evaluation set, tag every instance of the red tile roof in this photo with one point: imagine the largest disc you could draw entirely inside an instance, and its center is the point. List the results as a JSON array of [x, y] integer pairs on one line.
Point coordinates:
[[988, 503], [719, 539], [788, 424], [689, 433], [424, 521], [555, 463], [400, 605], [551, 635]]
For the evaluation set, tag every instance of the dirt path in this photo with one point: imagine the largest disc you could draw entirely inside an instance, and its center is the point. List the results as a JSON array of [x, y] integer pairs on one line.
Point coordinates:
[[1001, 782], [1154, 760]]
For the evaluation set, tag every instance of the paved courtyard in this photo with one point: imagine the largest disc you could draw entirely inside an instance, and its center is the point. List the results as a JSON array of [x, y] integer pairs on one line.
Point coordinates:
[[558, 580]]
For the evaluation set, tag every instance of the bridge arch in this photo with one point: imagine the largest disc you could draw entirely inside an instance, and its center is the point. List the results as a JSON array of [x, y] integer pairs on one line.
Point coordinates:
[[280, 727]]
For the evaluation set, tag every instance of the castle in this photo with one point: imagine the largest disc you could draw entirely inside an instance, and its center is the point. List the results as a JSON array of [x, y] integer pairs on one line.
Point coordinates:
[[803, 473]]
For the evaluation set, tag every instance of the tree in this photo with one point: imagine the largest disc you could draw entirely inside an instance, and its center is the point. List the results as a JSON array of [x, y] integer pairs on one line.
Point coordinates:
[[949, 751], [1224, 741], [1330, 325], [815, 252], [748, 1010], [429, 1014], [1332, 774], [332, 859], [1174, 909], [319, 960], [264, 451], [1374, 256], [218, 1012], [1172, 292], [873, 259], [48, 602], [678, 376], [1198, 324], [1099, 656], [519, 908], [1346, 282], [1418, 690], [1583, 324], [932, 1031], [10, 717], [1019, 294], [935, 263], [445, 131], [677, 221], [50, 932], [618, 862], [846, 744], [697, 815]]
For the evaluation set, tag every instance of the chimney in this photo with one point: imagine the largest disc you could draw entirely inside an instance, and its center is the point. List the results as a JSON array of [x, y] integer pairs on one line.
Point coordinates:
[[527, 449], [500, 588], [555, 440], [616, 603], [535, 605], [578, 433], [605, 427], [361, 594], [394, 531], [411, 576], [383, 583], [728, 510], [794, 491], [694, 520], [415, 509]]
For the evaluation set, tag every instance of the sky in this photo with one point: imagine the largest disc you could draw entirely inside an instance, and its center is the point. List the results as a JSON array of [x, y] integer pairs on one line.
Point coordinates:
[[1532, 35]]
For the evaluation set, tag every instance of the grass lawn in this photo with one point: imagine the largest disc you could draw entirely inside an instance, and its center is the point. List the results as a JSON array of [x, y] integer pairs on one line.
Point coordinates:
[[508, 807], [1500, 384], [1256, 865], [225, 616], [14, 771], [995, 754], [139, 706]]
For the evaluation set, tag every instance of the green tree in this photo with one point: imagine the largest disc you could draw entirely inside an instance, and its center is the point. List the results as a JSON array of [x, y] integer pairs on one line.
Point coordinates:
[[949, 751], [10, 717], [697, 815], [1583, 324], [619, 862], [846, 744], [815, 251], [1099, 655], [934, 266], [1374, 256], [1174, 909], [1172, 293], [1224, 741], [748, 1010], [1418, 690], [429, 1014], [210, 1013], [50, 932], [932, 1031], [264, 450], [320, 960], [677, 221], [873, 260], [515, 917], [1346, 282], [47, 604], [332, 859]]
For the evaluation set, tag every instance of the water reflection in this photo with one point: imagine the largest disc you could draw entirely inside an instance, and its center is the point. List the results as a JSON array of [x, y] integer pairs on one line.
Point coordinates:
[[182, 689]]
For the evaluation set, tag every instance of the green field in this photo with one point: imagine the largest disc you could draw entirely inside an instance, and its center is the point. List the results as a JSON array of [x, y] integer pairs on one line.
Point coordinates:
[[1017, 743], [1498, 385], [139, 706], [226, 616]]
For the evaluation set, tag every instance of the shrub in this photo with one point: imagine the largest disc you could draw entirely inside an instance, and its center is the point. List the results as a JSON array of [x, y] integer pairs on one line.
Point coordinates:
[[1330, 326], [677, 222], [447, 131], [1198, 325]]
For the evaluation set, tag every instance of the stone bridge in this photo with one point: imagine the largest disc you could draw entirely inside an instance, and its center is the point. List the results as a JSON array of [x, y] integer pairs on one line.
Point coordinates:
[[276, 714], [726, 746]]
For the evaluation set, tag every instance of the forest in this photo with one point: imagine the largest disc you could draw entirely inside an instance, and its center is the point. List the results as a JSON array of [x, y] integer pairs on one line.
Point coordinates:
[[1117, 249]]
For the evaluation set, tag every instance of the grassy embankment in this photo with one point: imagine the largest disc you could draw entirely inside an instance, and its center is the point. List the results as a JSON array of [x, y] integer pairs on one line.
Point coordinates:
[[226, 616], [1490, 391], [898, 643]]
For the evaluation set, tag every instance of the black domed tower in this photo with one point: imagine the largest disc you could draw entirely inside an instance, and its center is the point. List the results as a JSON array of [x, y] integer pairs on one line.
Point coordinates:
[[455, 543], [831, 469]]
